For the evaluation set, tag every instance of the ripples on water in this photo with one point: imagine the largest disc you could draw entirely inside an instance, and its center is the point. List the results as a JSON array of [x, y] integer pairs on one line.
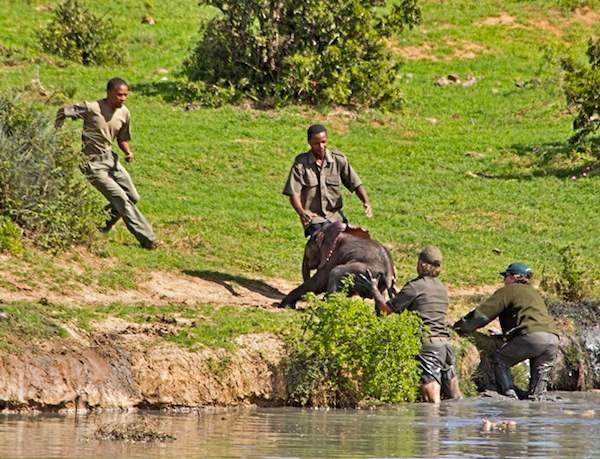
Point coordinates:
[[566, 429]]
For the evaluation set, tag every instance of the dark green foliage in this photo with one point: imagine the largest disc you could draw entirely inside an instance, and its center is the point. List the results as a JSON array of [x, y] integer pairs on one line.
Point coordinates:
[[347, 354], [582, 88], [78, 35], [311, 51], [41, 188]]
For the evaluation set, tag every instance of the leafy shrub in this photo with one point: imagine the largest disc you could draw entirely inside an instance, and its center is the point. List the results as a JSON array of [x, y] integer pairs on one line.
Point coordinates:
[[572, 283], [10, 237], [41, 188], [310, 51], [78, 35], [582, 89], [347, 354]]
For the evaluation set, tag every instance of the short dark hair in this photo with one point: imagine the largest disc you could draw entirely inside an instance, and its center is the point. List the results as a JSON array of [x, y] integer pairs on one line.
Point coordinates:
[[314, 130], [115, 83]]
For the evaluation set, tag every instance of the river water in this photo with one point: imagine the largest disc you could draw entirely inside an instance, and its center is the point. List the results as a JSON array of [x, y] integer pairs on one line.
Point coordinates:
[[569, 428]]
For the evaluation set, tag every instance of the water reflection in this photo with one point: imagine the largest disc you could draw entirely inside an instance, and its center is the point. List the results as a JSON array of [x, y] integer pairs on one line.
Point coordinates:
[[550, 430]]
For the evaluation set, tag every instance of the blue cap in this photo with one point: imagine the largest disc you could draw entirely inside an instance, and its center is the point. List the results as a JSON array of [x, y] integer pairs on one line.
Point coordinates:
[[517, 268]]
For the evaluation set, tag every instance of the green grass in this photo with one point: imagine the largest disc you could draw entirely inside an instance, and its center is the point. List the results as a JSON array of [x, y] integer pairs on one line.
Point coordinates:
[[486, 182], [190, 327]]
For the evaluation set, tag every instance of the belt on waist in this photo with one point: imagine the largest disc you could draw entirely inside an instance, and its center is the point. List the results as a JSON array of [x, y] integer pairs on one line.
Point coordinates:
[[99, 157]]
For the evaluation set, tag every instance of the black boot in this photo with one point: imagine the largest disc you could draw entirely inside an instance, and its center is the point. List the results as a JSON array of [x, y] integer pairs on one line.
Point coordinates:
[[504, 380]]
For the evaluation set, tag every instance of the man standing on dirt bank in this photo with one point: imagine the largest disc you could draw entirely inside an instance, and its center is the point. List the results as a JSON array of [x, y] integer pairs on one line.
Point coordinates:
[[103, 121], [427, 296], [529, 330], [314, 183]]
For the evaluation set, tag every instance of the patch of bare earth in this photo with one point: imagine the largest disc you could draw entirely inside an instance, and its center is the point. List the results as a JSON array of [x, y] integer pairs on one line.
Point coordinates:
[[460, 49], [553, 21], [586, 16], [163, 288], [502, 19]]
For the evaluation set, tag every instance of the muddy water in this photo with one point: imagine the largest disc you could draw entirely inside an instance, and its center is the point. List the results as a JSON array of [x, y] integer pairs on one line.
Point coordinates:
[[567, 429]]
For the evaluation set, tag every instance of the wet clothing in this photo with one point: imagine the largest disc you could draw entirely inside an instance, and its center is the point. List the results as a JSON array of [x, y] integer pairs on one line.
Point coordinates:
[[437, 361], [101, 125], [528, 328], [429, 297], [320, 187]]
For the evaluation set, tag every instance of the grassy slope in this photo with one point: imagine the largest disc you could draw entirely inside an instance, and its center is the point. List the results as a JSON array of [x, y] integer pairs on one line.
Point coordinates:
[[210, 179]]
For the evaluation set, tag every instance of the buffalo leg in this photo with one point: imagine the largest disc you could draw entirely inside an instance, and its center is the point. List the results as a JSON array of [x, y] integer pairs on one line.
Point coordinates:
[[340, 272], [315, 284]]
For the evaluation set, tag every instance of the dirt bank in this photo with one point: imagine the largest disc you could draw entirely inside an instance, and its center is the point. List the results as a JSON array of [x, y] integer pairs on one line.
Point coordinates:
[[124, 368]]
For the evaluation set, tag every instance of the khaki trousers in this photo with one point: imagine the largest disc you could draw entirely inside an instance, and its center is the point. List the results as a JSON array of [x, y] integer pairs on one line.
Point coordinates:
[[107, 175]]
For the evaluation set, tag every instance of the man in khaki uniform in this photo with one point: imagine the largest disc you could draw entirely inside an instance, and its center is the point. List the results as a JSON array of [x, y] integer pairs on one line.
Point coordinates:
[[103, 121], [315, 180]]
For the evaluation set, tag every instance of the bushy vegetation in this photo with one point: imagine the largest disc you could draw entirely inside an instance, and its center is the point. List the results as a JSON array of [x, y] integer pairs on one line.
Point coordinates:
[[77, 34], [574, 281], [10, 236], [582, 88], [312, 51], [41, 187], [347, 355]]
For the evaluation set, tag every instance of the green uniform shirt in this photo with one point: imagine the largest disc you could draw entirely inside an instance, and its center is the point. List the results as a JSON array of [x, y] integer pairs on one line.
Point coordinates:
[[429, 297], [520, 309], [101, 125], [319, 187]]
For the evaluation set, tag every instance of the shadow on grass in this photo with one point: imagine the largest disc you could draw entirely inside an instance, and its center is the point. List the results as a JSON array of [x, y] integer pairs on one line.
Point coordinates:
[[549, 159], [225, 280]]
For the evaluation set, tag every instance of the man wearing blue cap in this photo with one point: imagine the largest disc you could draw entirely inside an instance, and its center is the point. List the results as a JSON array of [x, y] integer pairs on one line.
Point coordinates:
[[528, 329]]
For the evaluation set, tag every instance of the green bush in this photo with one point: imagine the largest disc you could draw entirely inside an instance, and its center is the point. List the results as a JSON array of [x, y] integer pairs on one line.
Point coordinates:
[[582, 89], [41, 187], [347, 355], [78, 35], [573, 282], [10, 237], [310, 51]]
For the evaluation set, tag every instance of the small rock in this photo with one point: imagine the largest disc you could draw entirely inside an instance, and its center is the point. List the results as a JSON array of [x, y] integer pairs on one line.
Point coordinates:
[[497, 251], [148, 20], [454, 78], [3, 316], [162, 71], [443, 81], [432, 120], [469, 82]]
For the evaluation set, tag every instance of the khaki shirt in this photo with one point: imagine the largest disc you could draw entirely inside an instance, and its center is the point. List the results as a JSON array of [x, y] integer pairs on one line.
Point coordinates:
[[319, 187], [101, 125], [429, 298]]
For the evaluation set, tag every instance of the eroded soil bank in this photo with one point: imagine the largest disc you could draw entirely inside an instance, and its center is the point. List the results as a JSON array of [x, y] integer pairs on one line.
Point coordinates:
[[116, 363]]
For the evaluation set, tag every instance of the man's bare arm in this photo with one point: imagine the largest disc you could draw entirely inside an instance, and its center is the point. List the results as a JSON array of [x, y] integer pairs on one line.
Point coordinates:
[[361, 192], [305, 215], [124, 146]]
